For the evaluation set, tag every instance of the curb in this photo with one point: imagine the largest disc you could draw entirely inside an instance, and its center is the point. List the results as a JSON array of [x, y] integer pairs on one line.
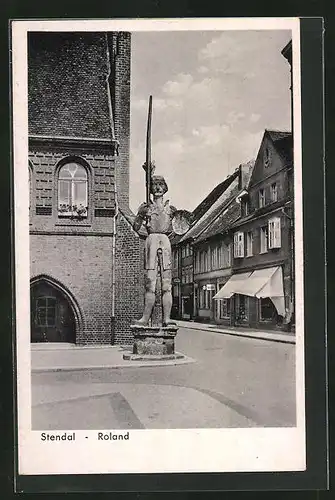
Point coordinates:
[[131, 364], [275, 338]]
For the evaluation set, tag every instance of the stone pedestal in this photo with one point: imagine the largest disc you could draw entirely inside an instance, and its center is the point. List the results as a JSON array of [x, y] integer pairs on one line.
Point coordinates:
[[153, 342]]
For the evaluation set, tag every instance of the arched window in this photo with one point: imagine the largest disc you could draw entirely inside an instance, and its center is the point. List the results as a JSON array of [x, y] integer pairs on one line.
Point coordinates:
[[72, 191]]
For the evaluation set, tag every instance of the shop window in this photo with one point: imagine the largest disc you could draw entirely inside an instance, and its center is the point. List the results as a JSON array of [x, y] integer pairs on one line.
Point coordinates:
[[274, 231], [241, 307], [267, 311], [224, 308], [205, 298], [239, 245], [264, 239], [72, 191]]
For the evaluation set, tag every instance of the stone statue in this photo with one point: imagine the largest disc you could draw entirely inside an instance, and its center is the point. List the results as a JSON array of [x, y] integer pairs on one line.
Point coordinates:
[[155, 337], [158, 216]]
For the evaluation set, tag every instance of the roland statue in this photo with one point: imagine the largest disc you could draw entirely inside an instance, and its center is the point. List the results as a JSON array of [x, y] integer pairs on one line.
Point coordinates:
[[160, 219]]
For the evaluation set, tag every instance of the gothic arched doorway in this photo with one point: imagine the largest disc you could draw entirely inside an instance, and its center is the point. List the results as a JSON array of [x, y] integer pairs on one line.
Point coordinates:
[[52, 317]]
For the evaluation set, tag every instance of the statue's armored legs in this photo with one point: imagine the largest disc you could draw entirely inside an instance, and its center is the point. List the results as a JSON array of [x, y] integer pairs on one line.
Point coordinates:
[[149, 298], [166, 278], [167, 298]]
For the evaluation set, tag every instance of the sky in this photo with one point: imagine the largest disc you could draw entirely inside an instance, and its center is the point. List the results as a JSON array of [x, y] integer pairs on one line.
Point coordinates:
[[214, 94]]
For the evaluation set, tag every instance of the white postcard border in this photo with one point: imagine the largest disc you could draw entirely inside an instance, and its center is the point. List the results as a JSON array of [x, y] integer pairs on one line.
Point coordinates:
[[147, 451]]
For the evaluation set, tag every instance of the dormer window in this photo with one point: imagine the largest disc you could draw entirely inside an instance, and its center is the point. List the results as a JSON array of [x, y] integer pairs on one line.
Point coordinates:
[[72, 191], [266, 157]]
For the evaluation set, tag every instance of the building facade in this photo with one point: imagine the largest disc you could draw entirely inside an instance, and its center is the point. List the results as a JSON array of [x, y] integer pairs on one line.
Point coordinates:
[[201, 257], [213, 253], [86, 260], [261, 289]]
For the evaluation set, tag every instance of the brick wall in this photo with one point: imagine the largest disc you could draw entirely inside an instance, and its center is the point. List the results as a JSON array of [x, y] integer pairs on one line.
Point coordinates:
[[67, 90], [129, 277], [120, 53], [83, 265], [68, 97]]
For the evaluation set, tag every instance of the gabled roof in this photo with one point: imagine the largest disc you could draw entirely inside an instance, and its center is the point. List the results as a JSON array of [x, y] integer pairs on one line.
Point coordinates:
[[283, 142], [205, 221], [202, 208], [223, 222], [218, 207]]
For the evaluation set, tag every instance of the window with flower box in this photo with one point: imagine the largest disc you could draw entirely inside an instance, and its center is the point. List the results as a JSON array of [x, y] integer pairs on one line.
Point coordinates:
[[72, 191]]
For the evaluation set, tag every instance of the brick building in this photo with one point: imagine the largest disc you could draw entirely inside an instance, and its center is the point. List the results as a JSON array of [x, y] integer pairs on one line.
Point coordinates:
[[261, 289], [86, 260]]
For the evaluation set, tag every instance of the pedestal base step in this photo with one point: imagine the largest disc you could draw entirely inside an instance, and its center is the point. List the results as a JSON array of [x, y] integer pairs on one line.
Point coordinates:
[[152, 357], [154, 341]]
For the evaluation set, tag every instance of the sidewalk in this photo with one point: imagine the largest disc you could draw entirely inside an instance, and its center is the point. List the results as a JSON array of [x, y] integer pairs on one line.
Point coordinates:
[[48, 357], [55, 357], [273, 336]]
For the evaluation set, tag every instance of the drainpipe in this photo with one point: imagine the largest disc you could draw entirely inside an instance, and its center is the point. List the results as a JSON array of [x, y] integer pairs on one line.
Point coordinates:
[[292, 263], [109, 97], [110, 108], [113, 251]]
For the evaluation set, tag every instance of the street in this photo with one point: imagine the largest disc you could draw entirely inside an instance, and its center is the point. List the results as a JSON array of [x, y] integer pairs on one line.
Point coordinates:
[[233, 382]]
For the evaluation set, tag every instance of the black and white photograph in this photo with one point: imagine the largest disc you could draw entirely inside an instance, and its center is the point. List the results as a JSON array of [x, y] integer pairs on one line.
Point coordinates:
[[159, 246]]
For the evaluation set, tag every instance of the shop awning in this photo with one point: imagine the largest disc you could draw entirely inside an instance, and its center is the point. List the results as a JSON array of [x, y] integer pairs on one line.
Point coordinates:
[[260, 283], [233, 285]]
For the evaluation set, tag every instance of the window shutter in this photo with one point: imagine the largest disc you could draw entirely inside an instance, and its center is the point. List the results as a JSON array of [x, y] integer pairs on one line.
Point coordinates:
[[236, 245], [242, 245], [274, 232], [239, 245], [277, 232], [271, 233]]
